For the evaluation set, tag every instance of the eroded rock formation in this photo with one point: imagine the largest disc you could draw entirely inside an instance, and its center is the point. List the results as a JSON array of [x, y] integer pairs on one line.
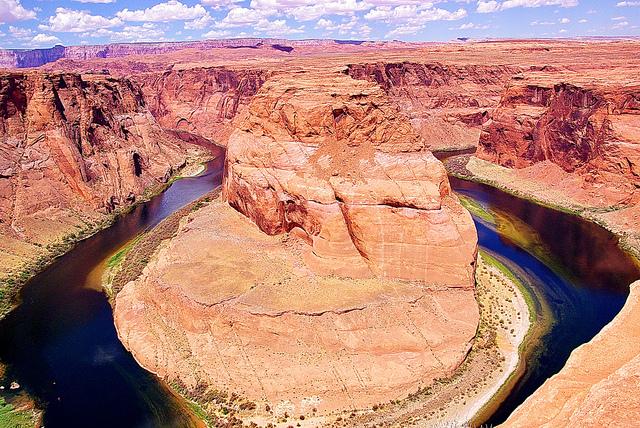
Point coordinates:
[[200, 100], [70, 146], [333, 158], [447, 104], [255, 321], [588, 125], [348, 281]]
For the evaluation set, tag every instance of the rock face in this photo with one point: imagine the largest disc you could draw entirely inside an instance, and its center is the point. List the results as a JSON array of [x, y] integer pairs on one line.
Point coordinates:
[[589, 126], [72, 145], [334, 159], [30, 58], [344, 278], [598, 386], [447, 104], [200, 100]]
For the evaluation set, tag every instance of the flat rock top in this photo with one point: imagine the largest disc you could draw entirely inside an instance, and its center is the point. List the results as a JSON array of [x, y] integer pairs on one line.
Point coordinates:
[[261, 273]]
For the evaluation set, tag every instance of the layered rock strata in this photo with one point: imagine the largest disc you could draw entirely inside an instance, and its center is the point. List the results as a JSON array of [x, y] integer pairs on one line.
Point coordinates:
[[344, 278], [446, 103], [202, 100], [72, 146], [334, 159], [255, 321], [588, 125], [571, 139]]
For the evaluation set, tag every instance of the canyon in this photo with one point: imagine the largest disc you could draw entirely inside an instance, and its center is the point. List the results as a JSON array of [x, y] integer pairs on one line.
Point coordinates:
[[337, 249], [74, 149]]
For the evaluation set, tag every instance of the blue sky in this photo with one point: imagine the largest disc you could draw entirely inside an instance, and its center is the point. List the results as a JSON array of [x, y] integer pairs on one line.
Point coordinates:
[[43, 23]]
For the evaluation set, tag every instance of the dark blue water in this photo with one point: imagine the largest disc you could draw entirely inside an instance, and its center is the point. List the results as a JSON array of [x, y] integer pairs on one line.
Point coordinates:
[[589, 291], [60, 343]]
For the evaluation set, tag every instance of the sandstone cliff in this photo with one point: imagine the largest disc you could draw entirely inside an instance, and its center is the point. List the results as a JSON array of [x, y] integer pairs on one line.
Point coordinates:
[[571, 139], [200, 100], [333, 158], [21, 58], [72, 146], [447, 103], [588, 124]]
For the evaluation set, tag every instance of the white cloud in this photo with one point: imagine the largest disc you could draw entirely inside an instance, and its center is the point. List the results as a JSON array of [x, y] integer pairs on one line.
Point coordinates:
[[542, 23], [200, 23], [276, 28], [414, 15], [628, 3], [220, 4], [564, 20], [583, 21], [470, 26], [146, 32], [494, 6], [619, 25], [307, 10], [241, 16], [96, 1], [45, 39], [404, 30], [488, 6], [342, 28], [508, 4], [171, 10], [20, 33], [618, 18], [78, 21], [12, 11], [216, 34]]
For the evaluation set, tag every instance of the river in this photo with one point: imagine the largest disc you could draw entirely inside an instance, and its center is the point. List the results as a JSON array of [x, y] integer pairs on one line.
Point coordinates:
[[60, 343]]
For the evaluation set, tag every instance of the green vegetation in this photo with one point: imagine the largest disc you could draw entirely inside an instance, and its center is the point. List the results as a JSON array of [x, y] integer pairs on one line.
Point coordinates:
[[540, 318], [476, 209], [118, 257], [10, 417], [528, 294]]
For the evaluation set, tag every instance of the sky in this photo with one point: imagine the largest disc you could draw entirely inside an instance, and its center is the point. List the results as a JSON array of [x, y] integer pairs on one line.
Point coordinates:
[[44, 23]]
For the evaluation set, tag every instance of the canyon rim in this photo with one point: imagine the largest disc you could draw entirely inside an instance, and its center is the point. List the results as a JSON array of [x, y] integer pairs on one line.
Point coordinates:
[[331, 274]]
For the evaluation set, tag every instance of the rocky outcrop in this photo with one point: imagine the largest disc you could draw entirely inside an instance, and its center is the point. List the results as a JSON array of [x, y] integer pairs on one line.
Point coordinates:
[[447, 104], [334, 159], [23, 58], [200, 100], [71, 146], [586, 125], [344, 278], [599, 383]]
